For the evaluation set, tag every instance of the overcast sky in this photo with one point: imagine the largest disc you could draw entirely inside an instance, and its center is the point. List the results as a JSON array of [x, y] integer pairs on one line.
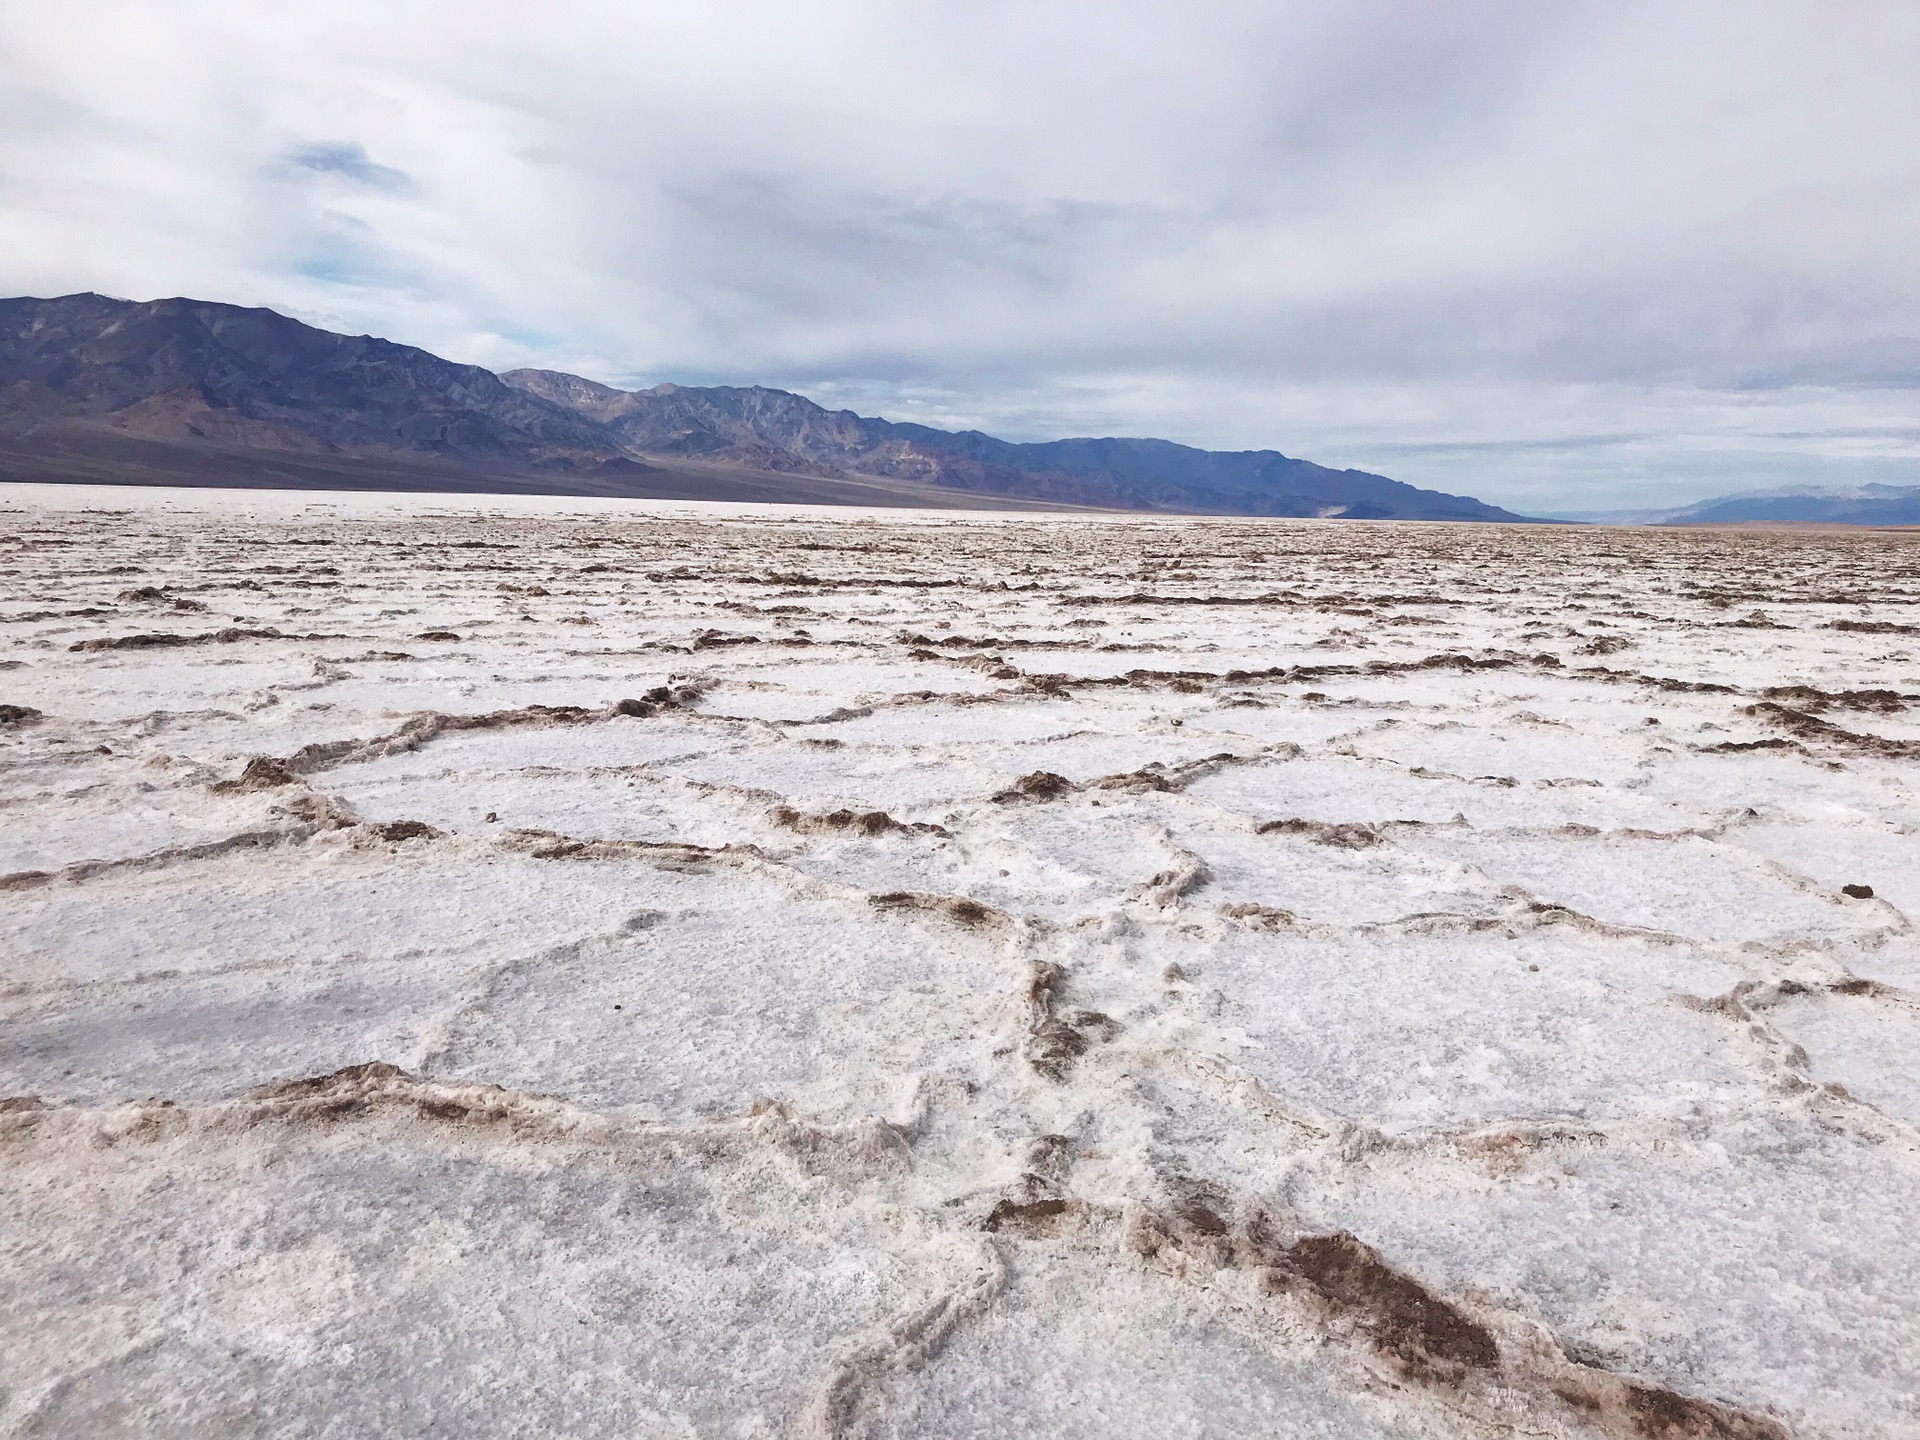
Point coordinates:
[[1552, 254]]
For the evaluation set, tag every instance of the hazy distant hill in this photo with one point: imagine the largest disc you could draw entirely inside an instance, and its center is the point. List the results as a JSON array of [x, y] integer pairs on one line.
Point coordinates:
[[1863, 505], [189, 391], [1809, 505]]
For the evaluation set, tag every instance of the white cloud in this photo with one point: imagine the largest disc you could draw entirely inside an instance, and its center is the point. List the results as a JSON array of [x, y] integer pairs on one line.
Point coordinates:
[[1553, 254]]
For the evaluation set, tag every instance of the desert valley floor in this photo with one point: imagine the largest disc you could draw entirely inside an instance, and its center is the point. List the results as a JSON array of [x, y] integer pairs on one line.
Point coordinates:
[[475, 968]]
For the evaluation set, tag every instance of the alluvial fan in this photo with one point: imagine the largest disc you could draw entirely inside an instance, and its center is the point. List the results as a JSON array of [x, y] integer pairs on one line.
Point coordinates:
[[503, 969]]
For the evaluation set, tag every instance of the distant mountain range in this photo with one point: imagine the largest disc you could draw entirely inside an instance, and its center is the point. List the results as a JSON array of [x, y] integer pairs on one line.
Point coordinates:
[[1804, 505], [783, 431], [193, 392]]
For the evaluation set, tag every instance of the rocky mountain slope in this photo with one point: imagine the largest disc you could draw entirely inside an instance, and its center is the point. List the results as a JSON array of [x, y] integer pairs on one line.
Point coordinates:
[[192, 391], [192, 370], [785, 431]]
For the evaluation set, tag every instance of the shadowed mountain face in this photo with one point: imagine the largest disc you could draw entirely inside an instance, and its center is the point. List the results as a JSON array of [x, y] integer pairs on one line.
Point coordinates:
[[191, 370], [195, 392]]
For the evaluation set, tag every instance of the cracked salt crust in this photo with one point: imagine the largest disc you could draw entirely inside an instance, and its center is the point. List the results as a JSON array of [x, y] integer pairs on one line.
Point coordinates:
[[950, 975]]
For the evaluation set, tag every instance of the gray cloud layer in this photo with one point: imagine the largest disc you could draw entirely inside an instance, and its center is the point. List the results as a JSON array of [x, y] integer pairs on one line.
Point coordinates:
[[1569, 254]]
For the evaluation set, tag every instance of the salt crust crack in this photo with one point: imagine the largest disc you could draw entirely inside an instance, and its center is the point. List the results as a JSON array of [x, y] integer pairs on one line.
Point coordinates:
[[1460, 1360]]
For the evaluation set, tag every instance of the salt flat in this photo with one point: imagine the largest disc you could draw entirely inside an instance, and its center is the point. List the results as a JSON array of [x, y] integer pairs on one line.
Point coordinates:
[[505, 967]]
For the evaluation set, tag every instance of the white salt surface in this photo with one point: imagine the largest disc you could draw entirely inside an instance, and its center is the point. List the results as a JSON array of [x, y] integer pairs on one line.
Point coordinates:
[[501, 967]]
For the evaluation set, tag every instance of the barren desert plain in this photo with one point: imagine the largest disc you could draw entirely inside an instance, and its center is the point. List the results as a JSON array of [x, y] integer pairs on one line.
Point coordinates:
[[497, 967]]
